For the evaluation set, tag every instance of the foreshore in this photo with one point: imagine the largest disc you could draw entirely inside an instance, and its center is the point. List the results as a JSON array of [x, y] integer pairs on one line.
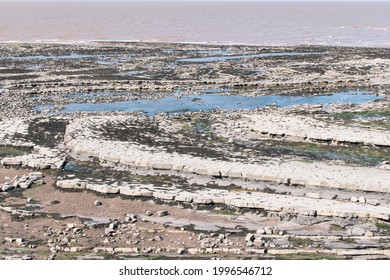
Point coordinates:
[[168, 150]]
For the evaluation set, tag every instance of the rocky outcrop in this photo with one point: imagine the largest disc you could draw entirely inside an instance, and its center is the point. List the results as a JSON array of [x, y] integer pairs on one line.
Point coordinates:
[[23, 182], [282, 124], [284, 204], [82, 139], [41, 158]]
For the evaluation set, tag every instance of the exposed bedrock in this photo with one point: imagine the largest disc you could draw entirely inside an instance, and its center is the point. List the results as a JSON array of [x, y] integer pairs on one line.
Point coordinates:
[[286, 204], [280, 124], [81, 139]]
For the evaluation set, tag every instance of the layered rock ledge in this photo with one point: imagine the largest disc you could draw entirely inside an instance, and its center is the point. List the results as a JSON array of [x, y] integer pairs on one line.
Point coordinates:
[[81, 137]]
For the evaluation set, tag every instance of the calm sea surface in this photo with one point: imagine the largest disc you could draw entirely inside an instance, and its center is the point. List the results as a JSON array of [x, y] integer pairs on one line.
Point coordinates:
[[264, 23]]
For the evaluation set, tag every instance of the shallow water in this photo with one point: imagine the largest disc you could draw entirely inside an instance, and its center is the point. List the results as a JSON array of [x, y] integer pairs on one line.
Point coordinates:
[[237, 57], [213, 101], [101, 62]]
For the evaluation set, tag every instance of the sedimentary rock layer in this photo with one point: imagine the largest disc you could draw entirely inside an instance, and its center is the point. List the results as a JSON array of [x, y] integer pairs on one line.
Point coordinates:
[[82, 138]]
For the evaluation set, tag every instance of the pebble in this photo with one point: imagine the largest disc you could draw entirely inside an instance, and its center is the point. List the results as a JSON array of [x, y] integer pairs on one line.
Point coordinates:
[[162, 213], [98, 203]]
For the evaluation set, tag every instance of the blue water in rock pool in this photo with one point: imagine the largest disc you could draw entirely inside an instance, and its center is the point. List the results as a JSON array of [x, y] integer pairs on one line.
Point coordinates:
[[236, 57], [213, 101]]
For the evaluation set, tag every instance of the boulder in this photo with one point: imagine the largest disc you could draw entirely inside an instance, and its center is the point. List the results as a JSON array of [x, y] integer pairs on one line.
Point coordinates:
[[26, 185], [362, 199], [268, 230], [162, 213], [131, 218], [354, 199], [260, 231], [158, 238], [249, 237], [181, 251]]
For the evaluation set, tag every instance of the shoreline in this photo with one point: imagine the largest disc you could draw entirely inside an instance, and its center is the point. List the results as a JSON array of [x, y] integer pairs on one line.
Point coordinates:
[[231, 44]]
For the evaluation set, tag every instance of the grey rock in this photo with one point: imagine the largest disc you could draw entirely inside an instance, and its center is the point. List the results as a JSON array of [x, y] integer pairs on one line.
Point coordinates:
[[268, 230], [374, 202], [358, 231], [38, 175], [77, 230], [354, 199], [98, 203], [162, 213], [249, 237], [258, 243], [108, 231], [158, 238], [148, 213], [181, 251], [369, 234], [260, 231], [6, 188], [39, 182], [26, 185], [131, 218], [113, 225], [202, 236]]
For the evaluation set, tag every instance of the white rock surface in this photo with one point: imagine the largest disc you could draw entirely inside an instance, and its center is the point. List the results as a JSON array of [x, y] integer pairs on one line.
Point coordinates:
[[83, 140]]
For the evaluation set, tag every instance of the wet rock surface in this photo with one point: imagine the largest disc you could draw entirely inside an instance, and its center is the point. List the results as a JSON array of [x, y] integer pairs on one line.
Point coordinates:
[[290, 181]]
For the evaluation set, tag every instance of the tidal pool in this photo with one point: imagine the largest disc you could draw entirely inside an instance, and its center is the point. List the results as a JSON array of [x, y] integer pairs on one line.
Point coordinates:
[[211, 101], [236, 57]]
